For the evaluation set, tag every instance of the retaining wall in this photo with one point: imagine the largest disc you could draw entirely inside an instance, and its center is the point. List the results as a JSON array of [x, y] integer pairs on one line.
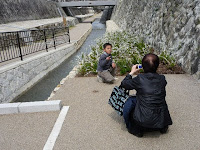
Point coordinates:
[[20, 10], [166, 25]]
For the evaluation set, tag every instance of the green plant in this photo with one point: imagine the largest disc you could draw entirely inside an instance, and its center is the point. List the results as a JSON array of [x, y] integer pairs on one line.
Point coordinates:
[[126, 51], [124, 65], [180, 46], [167, 59]]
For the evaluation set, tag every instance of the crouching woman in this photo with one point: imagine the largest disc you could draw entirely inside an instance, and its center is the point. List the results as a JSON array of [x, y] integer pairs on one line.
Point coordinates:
[[148, 110]]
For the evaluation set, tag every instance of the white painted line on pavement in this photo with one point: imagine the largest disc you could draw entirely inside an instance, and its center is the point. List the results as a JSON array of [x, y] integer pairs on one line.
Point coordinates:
[[56, 129]]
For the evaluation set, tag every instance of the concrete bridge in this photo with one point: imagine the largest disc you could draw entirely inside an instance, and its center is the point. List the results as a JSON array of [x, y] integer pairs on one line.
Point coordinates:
[[86, 3]]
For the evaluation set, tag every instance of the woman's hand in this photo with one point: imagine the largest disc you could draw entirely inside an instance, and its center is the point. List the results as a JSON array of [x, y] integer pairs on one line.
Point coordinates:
[[134, 69], [113, 65]]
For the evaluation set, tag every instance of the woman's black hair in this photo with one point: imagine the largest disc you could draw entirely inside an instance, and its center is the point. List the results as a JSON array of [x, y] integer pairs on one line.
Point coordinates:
[[106, 44], [150, 63]]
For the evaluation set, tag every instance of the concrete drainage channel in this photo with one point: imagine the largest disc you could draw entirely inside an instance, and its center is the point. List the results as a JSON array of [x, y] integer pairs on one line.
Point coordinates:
[[43, 89]]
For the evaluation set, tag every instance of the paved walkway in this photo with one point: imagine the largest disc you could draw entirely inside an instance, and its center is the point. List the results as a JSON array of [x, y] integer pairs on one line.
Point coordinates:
[[26, 131], [77, 31], [92, 124], [23, 25]]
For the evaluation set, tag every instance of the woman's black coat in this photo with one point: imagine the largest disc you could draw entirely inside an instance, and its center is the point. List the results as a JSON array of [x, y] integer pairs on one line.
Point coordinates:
[[151, 110]]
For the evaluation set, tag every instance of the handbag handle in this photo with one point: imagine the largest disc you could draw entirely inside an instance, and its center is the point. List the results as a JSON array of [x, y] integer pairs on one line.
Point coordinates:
[[127, 91]]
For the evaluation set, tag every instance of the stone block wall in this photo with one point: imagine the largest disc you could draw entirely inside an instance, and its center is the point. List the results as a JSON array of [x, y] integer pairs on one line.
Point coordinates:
[[172, 25], [21, 10]]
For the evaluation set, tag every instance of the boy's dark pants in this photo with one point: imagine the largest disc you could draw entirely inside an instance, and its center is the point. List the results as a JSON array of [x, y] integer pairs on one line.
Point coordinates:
[[108, 75]]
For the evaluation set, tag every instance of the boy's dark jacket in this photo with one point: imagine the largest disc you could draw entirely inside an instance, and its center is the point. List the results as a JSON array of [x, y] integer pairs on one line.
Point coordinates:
[[151, 110], [103, 63]]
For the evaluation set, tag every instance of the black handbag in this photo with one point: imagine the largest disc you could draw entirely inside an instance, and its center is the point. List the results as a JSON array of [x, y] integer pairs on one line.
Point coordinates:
[[117, 99]]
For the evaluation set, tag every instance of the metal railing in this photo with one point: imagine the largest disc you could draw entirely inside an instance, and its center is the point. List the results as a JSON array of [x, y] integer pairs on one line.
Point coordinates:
[[18, 44]]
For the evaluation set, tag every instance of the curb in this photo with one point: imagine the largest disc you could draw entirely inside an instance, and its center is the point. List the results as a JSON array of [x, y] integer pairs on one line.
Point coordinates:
[[29, 107]]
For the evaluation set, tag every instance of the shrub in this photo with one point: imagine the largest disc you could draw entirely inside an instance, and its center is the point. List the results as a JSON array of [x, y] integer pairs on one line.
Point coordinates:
[[126, 51], [167, 59]]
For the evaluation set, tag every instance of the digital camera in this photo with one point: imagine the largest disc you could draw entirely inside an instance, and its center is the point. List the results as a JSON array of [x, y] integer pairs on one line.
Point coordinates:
[[139, 66]]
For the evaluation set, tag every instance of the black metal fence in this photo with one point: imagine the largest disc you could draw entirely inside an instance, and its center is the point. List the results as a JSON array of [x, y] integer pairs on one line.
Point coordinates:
[[18, 44]]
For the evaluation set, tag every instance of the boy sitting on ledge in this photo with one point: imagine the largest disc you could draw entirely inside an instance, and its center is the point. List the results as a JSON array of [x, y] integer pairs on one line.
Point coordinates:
[[106, 67]]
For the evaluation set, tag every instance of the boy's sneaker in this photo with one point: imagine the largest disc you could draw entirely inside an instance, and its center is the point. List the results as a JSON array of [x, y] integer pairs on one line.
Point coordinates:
[[99, 79]]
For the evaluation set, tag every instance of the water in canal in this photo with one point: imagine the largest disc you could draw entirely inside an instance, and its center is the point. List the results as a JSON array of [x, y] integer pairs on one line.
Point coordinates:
[[42, 90]]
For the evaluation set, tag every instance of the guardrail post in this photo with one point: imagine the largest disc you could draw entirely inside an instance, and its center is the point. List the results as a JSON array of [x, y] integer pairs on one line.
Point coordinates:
[[45, 39], [18, 42], [54, 42], [68, 34]]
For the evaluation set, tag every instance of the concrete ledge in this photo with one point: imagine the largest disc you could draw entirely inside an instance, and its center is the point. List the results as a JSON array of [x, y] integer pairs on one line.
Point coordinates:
[[28, 107], [9, 108], [111, 26], [40, 106], [82, 39], [81, 18]]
